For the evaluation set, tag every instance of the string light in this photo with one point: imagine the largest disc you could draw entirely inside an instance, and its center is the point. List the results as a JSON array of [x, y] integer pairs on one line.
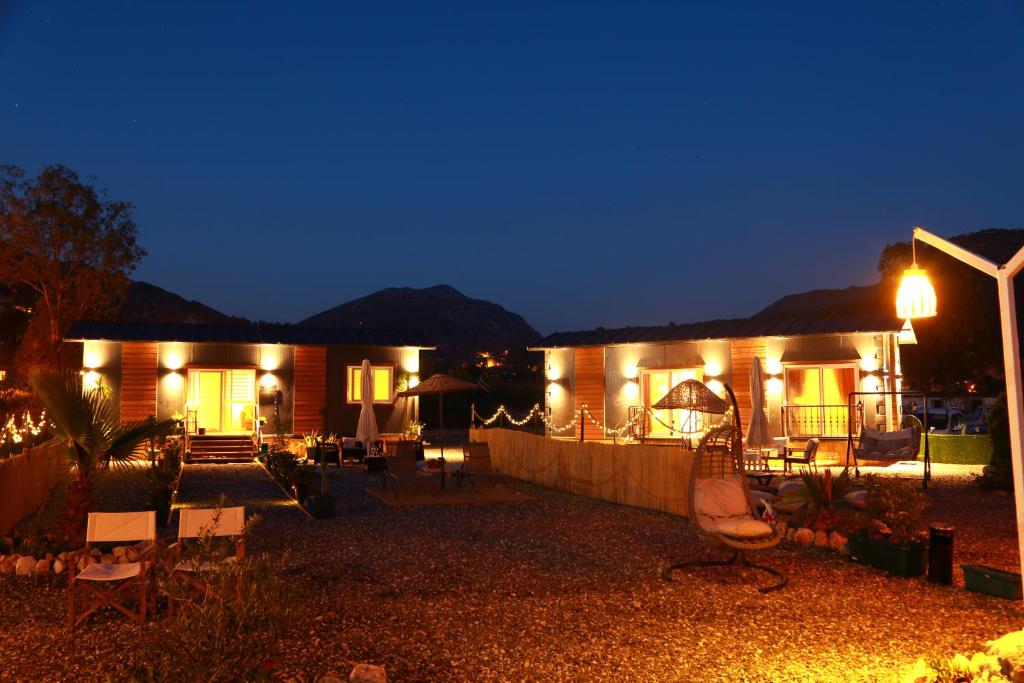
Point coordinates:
[[13, 435]]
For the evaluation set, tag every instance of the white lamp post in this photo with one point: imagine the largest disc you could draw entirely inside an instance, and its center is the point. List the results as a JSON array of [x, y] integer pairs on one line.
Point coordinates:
[[916, 299]]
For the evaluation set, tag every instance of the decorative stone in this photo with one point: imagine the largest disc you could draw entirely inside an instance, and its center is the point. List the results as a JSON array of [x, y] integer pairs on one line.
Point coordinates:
[[121, 559], [84, 561], [133, 554], [48, 556], [368, 673], [120, 551], [63, 557], [330, 677], [58, 566], [844, 549], [804, 536], [7, 564], [26, 566], [95, 552], [836, 540], [43, 567], [107, 558], [820, 539]]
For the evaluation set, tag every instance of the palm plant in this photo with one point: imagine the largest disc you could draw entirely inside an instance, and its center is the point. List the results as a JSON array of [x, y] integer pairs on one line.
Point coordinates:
[[86, 422]]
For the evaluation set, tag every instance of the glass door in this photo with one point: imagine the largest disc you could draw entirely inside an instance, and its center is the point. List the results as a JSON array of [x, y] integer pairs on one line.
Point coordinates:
[[224, 401], [668, 423]]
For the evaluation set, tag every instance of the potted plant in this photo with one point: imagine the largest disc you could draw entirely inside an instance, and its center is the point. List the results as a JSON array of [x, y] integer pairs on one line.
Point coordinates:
[[322, 506], [892, 536], [164, 467]]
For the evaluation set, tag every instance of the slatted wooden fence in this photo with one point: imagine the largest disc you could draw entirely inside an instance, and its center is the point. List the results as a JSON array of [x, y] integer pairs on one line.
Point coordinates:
[[26, 481], [644, 475]]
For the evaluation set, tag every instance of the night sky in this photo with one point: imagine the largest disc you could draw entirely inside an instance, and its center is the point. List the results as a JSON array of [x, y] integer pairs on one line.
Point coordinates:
[[581, 164]]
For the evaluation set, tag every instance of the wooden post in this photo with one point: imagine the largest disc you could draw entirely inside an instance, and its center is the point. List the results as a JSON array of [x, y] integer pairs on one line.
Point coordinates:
[[583, 424]]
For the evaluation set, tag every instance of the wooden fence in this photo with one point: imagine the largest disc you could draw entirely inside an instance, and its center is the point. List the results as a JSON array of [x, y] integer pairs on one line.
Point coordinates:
[[26, 481], [644, 475]]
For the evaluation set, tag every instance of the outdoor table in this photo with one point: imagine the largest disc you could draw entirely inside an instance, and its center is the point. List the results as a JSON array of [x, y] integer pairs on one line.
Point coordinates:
[[762, 477]]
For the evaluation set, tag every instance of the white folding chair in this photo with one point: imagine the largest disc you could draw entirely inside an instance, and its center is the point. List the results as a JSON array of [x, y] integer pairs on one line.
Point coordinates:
[[195, 523], [112, 527]]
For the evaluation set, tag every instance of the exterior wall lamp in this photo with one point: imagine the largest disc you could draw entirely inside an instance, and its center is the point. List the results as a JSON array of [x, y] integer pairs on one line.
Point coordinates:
[[916, 299]]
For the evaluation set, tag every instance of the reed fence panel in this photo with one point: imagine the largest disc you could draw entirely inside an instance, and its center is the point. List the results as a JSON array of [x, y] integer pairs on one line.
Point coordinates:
[[645, 475], [26, 481]]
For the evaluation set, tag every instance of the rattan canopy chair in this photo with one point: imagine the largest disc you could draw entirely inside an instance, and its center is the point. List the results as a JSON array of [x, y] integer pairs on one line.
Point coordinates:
[[720, 507], [195, 523], [84, 585]]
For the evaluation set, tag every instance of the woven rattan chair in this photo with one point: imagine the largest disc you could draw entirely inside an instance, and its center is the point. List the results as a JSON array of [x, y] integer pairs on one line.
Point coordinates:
[[720, 506]]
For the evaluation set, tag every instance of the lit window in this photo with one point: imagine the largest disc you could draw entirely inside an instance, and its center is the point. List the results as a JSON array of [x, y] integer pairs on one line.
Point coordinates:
[[668, 423], [816, 399], [383, 383], [3, 375]]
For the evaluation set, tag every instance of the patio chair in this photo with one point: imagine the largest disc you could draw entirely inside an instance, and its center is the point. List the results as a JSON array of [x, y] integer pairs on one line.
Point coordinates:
[[84, 585], [801, 457], [352, 450], [193, 523], [403, 474], [720, 507], [477, 466]]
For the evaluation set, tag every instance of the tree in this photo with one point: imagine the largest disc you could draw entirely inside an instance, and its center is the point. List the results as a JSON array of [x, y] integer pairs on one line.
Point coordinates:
[[86, 423], [70, 246]]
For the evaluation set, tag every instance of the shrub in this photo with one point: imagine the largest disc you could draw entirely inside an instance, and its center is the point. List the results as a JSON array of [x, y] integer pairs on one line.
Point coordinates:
[[895, 509]]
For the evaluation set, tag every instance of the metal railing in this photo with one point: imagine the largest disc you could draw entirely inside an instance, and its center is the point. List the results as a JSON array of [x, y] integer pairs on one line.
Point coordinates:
[[805, 422]]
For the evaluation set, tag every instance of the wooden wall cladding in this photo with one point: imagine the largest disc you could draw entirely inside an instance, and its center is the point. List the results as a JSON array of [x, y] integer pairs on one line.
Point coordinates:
[[310, 388], [743, 353], [138, 380], [589, 364]]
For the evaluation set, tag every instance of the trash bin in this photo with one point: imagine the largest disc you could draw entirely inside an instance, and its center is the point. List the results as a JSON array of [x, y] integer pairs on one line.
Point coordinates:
[[940, 554]]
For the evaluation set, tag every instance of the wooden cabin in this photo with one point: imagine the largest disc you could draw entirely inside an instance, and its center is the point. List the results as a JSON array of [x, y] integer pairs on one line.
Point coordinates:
[[223, 378], [811, 366]]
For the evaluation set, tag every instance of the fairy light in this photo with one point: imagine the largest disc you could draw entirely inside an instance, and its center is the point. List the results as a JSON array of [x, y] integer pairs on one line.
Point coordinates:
[[14, 434]]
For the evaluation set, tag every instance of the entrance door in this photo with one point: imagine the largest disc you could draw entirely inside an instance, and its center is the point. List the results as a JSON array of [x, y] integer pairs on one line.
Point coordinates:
[[224, 401]]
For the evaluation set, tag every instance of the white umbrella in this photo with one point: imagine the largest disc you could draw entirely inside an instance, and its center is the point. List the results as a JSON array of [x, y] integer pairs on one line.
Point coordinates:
[[367, 429], [757, 431]]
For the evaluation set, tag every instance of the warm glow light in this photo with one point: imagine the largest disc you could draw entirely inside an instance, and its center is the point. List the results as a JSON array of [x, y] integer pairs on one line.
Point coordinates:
[[907, 335], [631, 371], [414, 380], [869, 364], [716, 386], [869, 383], [412, 365], [172, 361], [555, 391], [775, 385], [553, 372], [712, 369], [773, 366], [91, 359], [631, 391], [268, 381], [270, 359], [91, 380], [916, 296], [173, 380]]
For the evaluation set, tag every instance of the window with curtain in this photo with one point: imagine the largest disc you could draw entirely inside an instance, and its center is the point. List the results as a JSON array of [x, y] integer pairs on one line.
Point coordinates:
[[383, 383], [668, 423], [816, 399]]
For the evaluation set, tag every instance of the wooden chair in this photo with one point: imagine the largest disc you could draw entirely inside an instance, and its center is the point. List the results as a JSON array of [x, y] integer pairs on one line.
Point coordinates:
[[721, 509], [112, 527], [477, 466], [194, 523], [804, 457]]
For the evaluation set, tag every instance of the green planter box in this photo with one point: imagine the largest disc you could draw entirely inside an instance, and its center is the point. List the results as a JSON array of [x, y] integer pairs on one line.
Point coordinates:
[[992, 581], [902, 560]]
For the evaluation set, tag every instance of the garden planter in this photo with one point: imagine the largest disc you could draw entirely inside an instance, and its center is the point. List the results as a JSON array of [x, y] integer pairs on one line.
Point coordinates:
[[321, 507], [900, 559], [991, 581]]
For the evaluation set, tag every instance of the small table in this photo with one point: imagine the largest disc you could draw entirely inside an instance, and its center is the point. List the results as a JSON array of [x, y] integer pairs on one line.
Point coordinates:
[[762, 477]]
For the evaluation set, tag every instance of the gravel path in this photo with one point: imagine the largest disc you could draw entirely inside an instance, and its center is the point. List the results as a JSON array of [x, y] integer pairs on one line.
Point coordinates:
[[565, 588]]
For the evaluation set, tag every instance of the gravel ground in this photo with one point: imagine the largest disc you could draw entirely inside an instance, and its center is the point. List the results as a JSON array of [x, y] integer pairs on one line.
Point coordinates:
[[565, 588]]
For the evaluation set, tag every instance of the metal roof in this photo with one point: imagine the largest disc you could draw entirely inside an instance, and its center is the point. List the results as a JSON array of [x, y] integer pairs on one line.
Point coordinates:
[[243, 333], [737, 328]]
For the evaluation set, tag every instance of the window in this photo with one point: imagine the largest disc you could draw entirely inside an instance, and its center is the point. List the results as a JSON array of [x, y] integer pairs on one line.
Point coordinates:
[[383, 383], [3, 375], [668, 423], [816, 399]]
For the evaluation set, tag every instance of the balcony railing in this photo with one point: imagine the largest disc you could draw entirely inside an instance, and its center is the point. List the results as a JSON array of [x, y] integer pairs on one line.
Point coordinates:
[[805, 422]]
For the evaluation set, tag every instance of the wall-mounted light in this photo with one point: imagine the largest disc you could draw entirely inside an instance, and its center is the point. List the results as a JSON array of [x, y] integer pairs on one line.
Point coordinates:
[[631, 390], [91, 359], [869, 364], [414, 380], [91, 380], [553, 372], [555, 391], [712, 369], [774, 385], [173, 379], [411, 364], [270, 358], [631, 371], [773, 367]]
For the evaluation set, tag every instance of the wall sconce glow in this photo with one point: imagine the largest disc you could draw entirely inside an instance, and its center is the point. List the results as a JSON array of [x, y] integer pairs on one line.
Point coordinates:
[[631, 371], [631, 391], [91, 359], [173, 380], [553, 372], [773, 366], [869, 383], [414, 380], [555, 391], [869, 364], [411, 364], [907, 335], [716, 386], [270, 359], [91, 380], [172, 361], [916, 296], [268, 381], [712, 369], [774, 386]]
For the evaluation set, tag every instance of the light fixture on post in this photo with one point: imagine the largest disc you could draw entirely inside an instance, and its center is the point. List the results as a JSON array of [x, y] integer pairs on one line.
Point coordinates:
[[906, 337], [912, 302], [916, 296]]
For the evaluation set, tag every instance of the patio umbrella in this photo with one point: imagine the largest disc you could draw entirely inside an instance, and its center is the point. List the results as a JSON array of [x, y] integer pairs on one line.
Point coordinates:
[[366, 431], [440, 384], [757, 431]]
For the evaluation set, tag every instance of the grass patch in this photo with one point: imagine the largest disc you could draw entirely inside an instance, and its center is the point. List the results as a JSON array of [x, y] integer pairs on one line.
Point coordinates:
[[959, 449]]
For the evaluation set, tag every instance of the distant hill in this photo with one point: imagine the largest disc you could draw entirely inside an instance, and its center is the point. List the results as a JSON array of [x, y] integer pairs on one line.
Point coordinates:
[[452, 320], [821, 303], [145, 303]]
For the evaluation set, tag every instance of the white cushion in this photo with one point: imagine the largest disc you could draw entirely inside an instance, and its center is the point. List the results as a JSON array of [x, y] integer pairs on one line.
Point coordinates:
[[109, 572], [720, 498], [740, 526]]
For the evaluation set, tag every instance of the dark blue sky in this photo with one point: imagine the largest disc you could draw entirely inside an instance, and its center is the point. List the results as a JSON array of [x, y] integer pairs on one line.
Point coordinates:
[[582, 164]]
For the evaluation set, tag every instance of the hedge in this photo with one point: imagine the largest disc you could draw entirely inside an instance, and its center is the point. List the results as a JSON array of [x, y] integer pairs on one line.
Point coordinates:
[[958, 449]]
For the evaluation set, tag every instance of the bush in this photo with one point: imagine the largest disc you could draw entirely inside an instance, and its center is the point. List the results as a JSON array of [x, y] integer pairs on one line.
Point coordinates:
[[959, 449], [895, 508]]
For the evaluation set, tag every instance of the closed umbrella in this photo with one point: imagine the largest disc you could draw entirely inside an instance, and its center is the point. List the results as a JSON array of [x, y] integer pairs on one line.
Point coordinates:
[[758, 434], [366, 431]]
